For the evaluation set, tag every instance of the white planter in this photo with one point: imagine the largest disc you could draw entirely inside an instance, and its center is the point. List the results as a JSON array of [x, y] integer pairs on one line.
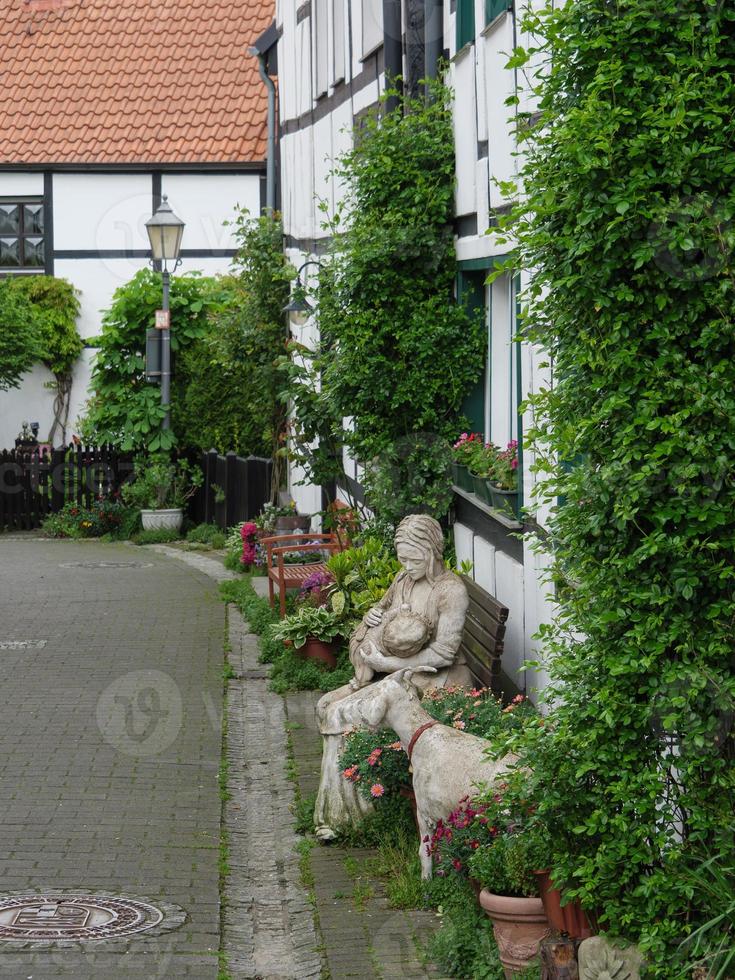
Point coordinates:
[[162, 520]]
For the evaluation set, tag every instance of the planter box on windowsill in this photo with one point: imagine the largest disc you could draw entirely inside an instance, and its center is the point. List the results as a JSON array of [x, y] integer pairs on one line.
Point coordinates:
[[507, 522]]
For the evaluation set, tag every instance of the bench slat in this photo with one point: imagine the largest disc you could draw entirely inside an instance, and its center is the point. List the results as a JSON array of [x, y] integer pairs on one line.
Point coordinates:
[[486, 601]]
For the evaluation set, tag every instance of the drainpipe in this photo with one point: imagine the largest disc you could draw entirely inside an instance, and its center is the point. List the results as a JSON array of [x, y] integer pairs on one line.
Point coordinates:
[[433, 37], [393, 48], [270, 174]]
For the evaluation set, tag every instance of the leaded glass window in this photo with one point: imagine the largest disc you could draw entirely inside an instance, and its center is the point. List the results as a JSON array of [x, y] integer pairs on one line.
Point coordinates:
[[22, 243]]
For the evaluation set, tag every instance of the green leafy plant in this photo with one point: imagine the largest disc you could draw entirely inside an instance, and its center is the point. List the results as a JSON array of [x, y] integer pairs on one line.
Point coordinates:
[[627, 222], [161, 483], [376, 763], [362, 576], [308, 621], [56, 305], [20, 336], [105, 517], [124, 410], [160, 535]]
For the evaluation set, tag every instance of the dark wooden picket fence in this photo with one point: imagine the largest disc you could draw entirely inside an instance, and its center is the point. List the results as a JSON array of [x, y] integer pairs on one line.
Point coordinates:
[[234, 489], [34, 484]]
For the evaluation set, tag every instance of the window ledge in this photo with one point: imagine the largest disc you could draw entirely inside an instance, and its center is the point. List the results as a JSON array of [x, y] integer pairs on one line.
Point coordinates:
[[506, 522]]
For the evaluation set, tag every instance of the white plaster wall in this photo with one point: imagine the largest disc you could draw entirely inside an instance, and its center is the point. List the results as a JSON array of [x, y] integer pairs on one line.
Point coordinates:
[[101, 211], [204, 202], [509, 590], [465, 131], [464, 543], [29, 403], [539, 610], [20, 184]]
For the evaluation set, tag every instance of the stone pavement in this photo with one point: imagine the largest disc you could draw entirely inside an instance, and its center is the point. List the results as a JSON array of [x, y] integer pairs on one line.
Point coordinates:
[[110, 745]]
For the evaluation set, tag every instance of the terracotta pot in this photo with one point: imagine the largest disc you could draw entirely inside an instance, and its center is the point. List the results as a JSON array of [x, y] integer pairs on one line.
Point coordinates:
[[519, 925], [570, 918], [408, 794], [315, 649], [295, 523]]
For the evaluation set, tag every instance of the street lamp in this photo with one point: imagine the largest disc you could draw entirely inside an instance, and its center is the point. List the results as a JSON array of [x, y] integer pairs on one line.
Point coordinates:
[[299, 308], [165, 232]]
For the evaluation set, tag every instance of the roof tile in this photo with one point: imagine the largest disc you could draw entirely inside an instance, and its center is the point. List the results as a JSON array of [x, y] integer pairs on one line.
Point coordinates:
[[154, 81]]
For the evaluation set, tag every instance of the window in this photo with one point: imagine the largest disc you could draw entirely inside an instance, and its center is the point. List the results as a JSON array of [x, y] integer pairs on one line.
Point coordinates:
[[465, 22], [493, 9], [472, 293], [321, 46], [21, 235], [338, 30], [372, 25]]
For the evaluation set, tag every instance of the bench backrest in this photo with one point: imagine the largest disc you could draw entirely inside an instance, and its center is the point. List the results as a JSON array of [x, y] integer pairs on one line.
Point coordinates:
[[484, 635]]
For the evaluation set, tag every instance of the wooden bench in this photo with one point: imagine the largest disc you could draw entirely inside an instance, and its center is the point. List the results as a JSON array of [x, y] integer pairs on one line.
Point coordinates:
[[484, 635], [292, 576]]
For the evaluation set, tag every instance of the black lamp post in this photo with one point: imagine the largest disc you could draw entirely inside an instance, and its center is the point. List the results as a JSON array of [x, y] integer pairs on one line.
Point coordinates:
[[165, 232], [299, 308]]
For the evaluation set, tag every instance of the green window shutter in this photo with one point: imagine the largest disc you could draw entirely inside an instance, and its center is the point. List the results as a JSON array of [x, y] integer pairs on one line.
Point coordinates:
[[493, 8], [471, 292], [465, 22]]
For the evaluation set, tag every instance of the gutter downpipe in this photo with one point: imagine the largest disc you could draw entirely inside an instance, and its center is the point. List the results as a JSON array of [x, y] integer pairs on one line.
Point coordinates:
[[392, 49], [270, 173]]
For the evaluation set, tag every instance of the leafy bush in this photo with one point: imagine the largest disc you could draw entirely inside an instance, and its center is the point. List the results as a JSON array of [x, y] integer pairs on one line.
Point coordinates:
[[20, 336], [375, 762], [162, 483], [125, 410], [627, 221], [308, 621], [105, 516], [362, 576], [207, 534], [161, 535]]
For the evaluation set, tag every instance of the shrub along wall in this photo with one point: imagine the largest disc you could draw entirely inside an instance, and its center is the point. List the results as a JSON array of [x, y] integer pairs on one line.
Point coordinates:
[[629, 226]]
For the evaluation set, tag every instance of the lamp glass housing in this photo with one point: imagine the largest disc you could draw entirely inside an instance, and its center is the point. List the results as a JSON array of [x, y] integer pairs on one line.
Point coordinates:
[[165, 231]]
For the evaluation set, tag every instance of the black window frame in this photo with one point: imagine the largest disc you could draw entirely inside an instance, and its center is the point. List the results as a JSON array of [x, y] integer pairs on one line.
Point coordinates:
[[23, 268]]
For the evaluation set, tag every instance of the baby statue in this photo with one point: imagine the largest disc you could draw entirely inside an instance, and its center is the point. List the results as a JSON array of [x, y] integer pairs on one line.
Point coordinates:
[[400, 633]]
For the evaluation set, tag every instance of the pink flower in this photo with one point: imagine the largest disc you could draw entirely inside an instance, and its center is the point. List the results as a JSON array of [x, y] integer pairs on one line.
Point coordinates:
[[457, 864], [374, 757], [350, 773], [396, 746], [459, 724], [376, 790]]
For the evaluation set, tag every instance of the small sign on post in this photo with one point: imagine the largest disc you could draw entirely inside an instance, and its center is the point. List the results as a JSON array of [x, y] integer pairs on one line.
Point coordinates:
[[163, 319]]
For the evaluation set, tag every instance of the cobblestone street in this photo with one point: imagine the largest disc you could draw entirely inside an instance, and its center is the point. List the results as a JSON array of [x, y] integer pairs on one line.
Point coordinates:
[[110, 742]]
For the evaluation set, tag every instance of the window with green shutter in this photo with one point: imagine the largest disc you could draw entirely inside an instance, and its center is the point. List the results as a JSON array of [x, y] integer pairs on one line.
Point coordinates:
[[493, 9], [465, 22], [471, 292]]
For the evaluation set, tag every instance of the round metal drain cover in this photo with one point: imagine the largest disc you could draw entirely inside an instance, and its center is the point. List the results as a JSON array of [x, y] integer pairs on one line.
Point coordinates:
[[106, 564], [60, 917]]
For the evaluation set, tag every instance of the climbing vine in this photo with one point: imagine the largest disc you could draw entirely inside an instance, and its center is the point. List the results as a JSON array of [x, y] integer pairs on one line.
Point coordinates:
[[397, 354], [627, 224], [56, 304]]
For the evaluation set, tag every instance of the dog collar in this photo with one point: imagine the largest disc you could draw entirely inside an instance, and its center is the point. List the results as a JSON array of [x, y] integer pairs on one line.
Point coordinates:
[[417, 735]]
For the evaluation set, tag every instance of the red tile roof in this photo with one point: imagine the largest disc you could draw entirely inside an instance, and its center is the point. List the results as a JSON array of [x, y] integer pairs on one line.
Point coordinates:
[[131, 81]]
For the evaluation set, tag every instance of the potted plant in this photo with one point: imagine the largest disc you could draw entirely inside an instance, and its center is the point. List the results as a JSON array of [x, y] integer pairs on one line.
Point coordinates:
[[313, 629], [462, 455], [503, 481], [481, 466], [160, 489], [504, 865], [376, 763]]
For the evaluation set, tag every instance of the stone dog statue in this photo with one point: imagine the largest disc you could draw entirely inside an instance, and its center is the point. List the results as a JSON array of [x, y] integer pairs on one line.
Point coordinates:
[[447, 764], [418, 623]]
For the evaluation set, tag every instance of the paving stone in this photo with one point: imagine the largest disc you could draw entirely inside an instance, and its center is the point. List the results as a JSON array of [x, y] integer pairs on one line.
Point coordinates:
[[105, 794]]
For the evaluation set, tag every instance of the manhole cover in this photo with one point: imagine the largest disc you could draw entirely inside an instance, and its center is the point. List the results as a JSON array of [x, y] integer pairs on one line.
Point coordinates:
[[22, 644], [79, 917], [106, 564]]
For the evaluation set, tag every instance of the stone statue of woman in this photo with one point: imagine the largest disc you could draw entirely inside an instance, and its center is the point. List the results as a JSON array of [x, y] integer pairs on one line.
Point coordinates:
[[423, 611]]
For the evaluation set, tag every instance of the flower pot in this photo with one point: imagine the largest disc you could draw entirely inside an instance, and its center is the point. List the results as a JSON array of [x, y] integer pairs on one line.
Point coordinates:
[[481, 488], [570, 918], [292, 524], [162, 520], [315, 649], [519, 925], [408, 794], [456, 469], [465, 479], [506, 501]]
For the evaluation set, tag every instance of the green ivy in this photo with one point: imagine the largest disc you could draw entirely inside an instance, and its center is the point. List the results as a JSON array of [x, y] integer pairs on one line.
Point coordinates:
[[627, 223], [20, 336], [125, 410], [397, 354]]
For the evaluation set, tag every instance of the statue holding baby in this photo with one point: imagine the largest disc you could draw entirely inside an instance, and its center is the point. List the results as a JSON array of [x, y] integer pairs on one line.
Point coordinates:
[[418, 623]]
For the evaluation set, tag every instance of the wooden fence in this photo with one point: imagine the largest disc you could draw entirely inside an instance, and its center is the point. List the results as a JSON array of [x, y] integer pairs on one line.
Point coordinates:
[[234, 489], [34, 484]]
